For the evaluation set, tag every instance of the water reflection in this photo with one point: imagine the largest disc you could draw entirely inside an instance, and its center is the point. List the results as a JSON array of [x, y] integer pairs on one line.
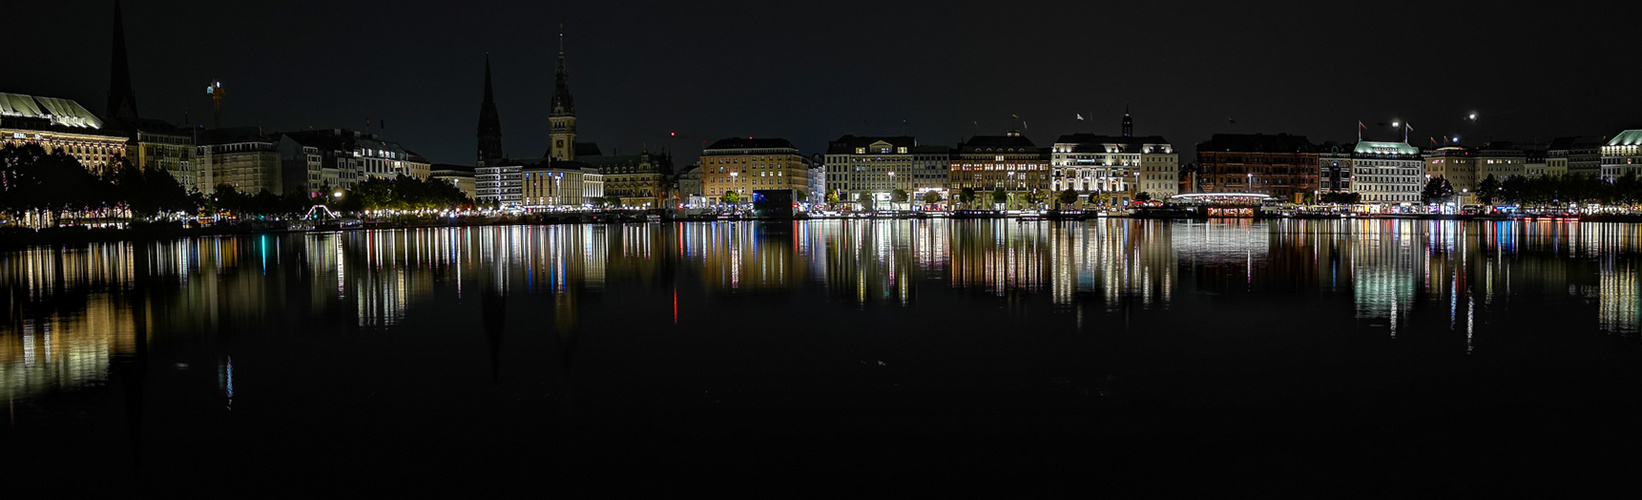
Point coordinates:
[[74, 312]]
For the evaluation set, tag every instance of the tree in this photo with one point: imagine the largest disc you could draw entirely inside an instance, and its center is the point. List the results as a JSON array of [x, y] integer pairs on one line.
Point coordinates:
[[1068, 196], [898, 195], [1437, 190], [1487, 190], [800, 196], [1341, 197], [730, 197], [931, 198], [832, 196], [33, 180], [966, 195], [999, 196], [611, 200], [1143, 196]]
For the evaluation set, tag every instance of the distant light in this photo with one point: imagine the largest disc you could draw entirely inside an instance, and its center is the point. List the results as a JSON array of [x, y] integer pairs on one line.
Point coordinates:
[[1456, 140], [673, 134], [1473, 116], [1396, 124]]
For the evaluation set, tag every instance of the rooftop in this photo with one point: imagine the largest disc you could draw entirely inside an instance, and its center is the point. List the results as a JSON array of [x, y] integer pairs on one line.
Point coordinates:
[[1627, 138], [1258, 143], [751, 143], [59, 112]]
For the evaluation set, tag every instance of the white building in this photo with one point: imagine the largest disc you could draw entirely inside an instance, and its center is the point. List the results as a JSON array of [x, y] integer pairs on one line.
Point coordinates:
[[1387, 172], [857, 166], [1621, 155]]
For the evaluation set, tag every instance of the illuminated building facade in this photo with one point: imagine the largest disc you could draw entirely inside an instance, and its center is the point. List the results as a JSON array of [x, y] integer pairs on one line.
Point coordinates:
[[498, 184], [60, 125], [1621, 156], [1280, 165], [1386, 172], [1576, 155], [241, 157], [747, 165], [872, 167], [350, 157], [641, 180], [1123, 164], [1334, 167], [560, 185], [1011, 162]]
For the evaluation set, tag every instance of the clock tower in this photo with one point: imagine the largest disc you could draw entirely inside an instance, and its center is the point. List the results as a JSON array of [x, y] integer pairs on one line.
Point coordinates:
[[563, 117]]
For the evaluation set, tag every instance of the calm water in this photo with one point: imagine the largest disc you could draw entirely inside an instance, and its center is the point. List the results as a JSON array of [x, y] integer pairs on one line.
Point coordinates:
[[880, 358]]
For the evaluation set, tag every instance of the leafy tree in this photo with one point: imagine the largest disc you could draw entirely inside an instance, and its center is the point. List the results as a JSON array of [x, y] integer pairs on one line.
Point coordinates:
[[730, 197], [1488, 189], [1341, 197], [832, 196], [931, 198], [1143, 196], [898, 195], [1437, 190], [611, 200], [966, 195], [800, 196], [999, 196], [33, 180], [1068, 196]]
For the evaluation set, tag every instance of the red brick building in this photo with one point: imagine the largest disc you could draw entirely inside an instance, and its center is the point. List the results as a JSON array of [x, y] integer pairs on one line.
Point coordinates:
[[1281, 165]]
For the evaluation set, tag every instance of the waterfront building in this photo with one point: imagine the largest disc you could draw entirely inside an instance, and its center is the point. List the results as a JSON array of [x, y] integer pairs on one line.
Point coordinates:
[[1386, 172], [498, 184], [818, 179], [1577, 155], [559, 185], [746, 165], [241, 157], [986, 163], [1123, 164], [351, 157], [1535, 163], [1334, 167], [460, 176], [1501, 159], [1621, 156], [873, 166], [1281, 165], [1456, 164], [60, 125], [641, 180]]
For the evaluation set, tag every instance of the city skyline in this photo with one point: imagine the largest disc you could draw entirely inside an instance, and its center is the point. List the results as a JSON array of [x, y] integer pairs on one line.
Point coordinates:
[[645, 75]]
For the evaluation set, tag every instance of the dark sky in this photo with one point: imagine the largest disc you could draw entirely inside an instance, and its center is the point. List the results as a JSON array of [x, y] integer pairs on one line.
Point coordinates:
[[812, 71]]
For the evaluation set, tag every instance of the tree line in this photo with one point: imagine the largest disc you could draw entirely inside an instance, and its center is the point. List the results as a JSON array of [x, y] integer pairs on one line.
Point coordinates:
[[54, 183], [1554, 189]]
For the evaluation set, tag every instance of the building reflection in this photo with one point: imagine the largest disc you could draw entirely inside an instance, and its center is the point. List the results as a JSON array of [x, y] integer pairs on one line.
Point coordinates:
[[70, 312]]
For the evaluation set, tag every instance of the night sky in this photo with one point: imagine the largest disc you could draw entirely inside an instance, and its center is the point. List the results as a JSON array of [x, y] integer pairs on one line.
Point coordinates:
[[812, 71]]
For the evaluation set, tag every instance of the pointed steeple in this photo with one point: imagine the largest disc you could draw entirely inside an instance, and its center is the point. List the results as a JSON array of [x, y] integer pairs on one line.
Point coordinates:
[[562, 118], [1128, 123], [490, 123], [122, 101], [563, 104]]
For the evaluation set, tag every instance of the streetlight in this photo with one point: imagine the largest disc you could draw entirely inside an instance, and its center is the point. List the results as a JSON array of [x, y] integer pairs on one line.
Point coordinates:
[[892, 187], [733, 184], [1251, 182]]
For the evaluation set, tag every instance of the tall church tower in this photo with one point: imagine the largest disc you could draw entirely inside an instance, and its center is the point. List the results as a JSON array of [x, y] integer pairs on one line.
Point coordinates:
[[1128, 123], [122, 101], [563, 117], [490, 124]]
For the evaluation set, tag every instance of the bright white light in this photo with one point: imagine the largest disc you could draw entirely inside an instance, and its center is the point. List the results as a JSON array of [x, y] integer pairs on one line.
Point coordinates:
[[1396, 124]]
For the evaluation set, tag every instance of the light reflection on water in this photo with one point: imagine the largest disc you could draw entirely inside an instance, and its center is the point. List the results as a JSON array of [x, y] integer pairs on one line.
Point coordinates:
[[73, 311]]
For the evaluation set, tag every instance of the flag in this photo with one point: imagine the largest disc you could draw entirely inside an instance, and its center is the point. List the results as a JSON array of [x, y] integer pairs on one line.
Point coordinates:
[[1014, 115], [1080, 116], [1433, 141], [1410, 127]]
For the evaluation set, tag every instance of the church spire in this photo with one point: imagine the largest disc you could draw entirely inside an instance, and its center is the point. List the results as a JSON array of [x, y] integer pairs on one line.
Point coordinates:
[[562, 119], [563, 105], [490, 124], [122, 101], [1128, 123]]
